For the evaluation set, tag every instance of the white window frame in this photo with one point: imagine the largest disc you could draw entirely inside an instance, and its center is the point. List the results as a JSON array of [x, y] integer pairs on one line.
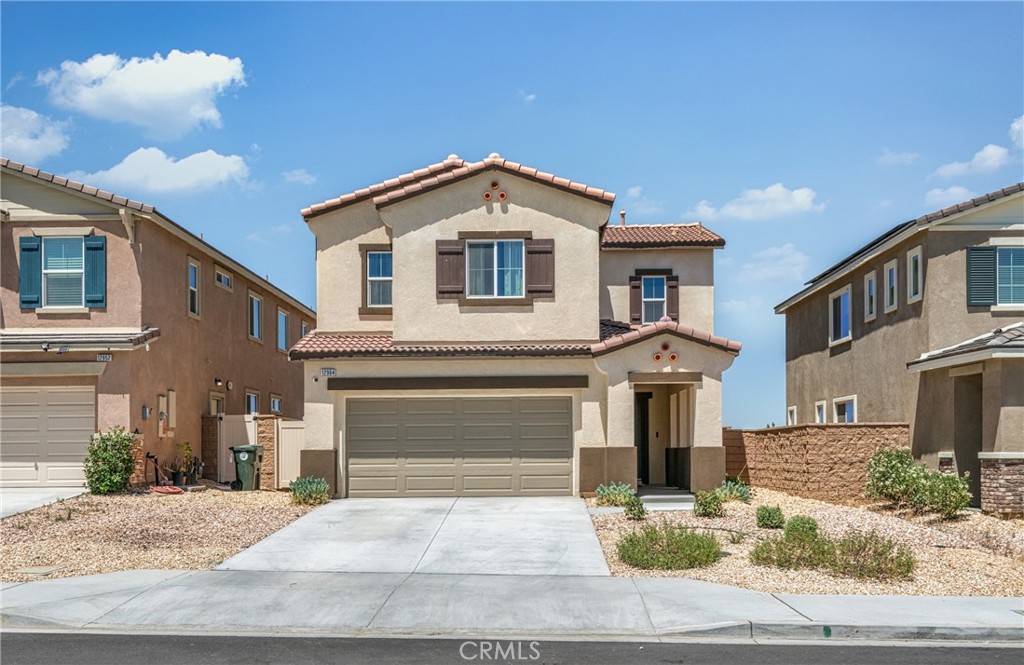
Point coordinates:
[[791, 415], [852, 399], [915, 253], [252, 393], [304, 327], [838, 293], [46, 272], [216, 399], [370, 280], [494, 247], [275, 398], [644, 300], [282, 344], [820, 412], [870, 299], [894, 284], [1000, 244], [219, 272], [254, 323], [194, 263]]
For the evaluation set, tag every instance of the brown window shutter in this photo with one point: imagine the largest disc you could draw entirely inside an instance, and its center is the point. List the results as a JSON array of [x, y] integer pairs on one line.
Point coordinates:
[[672, 297], [635, 300], [540, 268], [451, 269]]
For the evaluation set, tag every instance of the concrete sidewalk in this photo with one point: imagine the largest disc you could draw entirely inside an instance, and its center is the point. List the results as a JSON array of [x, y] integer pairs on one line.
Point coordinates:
[[393, 604]]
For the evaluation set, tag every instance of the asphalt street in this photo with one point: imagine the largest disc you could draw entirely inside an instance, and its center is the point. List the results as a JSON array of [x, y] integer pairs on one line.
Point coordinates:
[[20, 648]]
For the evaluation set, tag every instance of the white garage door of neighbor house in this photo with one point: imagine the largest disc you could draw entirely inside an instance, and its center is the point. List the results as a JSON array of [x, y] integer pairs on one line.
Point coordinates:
[[45, 432], [502, 446]]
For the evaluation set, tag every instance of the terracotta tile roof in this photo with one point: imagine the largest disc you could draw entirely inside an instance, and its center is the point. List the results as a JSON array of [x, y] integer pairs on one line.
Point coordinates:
[[613, 334], [1006, 338], [640, 236], [450, 170], [76, 186]]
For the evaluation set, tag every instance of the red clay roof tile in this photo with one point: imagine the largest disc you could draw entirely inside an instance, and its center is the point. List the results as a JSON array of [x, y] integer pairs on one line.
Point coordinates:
[[642, 236]]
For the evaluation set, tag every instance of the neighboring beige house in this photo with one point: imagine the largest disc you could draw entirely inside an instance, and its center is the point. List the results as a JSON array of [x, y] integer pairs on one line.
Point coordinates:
[[112, 314], [483, 331], [922, 325]]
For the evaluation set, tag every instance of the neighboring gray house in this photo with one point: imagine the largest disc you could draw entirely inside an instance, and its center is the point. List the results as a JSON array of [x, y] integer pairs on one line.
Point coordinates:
[[922, 325]]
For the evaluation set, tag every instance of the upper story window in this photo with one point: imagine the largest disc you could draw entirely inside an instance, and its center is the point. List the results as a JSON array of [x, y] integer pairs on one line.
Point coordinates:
[[915, 275], [653, 298], [844, 409], [1010, 276], [820, 412], [791, 415], [303, 328], [995, 276], [275, 403], [282, 330], [839, 316], [891, 273], [494, 269], [193, 287], [252, 402], [255, 317], [379, 277], [870, 296], [222, 278], [63, 271]]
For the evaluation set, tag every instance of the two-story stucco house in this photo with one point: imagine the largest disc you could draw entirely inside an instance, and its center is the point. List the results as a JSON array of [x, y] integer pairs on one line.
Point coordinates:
[[112, 314], [924, 325], [483, 330]]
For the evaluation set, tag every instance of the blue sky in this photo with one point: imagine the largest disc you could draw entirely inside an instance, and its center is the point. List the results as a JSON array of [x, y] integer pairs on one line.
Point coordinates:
[[797, 131]]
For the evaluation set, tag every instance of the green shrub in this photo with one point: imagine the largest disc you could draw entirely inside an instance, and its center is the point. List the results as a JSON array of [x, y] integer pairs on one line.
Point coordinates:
[[801, 549], [770, 517], [310, 491], [737, 537], [800, 527], [943, 493], [734, 489], [708, 504], [893, 476], [635, 509], [668, 547], [870, 555], [108, 461], [614, 494]]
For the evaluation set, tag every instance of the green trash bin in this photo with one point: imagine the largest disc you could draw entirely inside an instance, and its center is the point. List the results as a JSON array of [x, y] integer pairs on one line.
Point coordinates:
[[247, 467]]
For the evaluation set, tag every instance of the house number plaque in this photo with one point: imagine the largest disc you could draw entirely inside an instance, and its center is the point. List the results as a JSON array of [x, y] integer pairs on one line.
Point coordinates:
[[328, 371], [104, 357]]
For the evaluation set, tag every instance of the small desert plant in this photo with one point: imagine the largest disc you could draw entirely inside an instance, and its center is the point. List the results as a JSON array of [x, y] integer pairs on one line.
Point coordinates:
[[737, 537], [635, 509], [943, 493], [668, 547], [870, 555], [310, 491], [734, 489], [893, 476], [614, 494], [800, 527], [793, 553], [185, 453], [108, 461], [770, 517], [708, 504]]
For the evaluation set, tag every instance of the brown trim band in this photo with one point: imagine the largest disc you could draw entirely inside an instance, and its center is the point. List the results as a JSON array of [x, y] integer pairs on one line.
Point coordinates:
[[494, 302], [376, 311], [457, 382], [492, 235], [652, 271], [666, 377]]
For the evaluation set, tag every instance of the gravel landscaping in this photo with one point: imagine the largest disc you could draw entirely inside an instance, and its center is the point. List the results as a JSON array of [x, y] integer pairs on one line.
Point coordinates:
[[974, 555], [101, 534]]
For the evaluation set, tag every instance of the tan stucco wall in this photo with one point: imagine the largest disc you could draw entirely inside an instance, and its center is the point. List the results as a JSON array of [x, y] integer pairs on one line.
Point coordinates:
[[696, 271]]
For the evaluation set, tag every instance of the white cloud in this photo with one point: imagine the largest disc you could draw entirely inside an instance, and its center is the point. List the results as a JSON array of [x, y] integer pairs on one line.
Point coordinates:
[[527, 97], [986, 160], [742, 305], [1017, 132], [166, 96], [15, 80], [890, 158], [758, 204], [640, 205], [940, 198], [774, 264], [634, 192], [267, 236], [151, 170], [30, 137], [301, 176]]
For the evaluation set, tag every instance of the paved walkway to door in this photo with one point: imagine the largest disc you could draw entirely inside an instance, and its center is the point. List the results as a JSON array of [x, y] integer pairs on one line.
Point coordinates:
[[463, 536]]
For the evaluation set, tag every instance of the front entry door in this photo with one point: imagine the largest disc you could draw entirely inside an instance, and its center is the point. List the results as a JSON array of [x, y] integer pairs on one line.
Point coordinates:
[[967, 431], [641, 432]]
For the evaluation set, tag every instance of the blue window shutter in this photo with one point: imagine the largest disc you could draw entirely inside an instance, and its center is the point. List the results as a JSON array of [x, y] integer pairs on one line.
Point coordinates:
[[95, 271], [981, 276], [30, 269]]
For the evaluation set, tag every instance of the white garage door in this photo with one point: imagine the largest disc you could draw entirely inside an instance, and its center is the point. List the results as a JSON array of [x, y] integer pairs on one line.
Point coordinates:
[[44, 433], [459, 446]]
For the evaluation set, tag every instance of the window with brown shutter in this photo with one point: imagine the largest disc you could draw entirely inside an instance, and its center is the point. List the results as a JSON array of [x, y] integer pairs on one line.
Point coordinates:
[[451, 269], [635, 299], [672, 306], [540, 268], [659, 297]]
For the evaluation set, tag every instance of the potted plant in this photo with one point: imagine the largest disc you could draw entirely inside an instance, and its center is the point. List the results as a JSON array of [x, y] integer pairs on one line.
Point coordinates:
[[176, 471], [188, 462]]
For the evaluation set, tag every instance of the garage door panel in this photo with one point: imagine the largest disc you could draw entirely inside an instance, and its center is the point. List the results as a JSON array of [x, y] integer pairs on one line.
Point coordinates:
[[460, 446], [46, 431]]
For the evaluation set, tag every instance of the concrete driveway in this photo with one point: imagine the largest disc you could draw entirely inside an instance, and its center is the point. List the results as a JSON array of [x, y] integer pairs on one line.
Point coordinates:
[[464, 536], [15, 500]]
